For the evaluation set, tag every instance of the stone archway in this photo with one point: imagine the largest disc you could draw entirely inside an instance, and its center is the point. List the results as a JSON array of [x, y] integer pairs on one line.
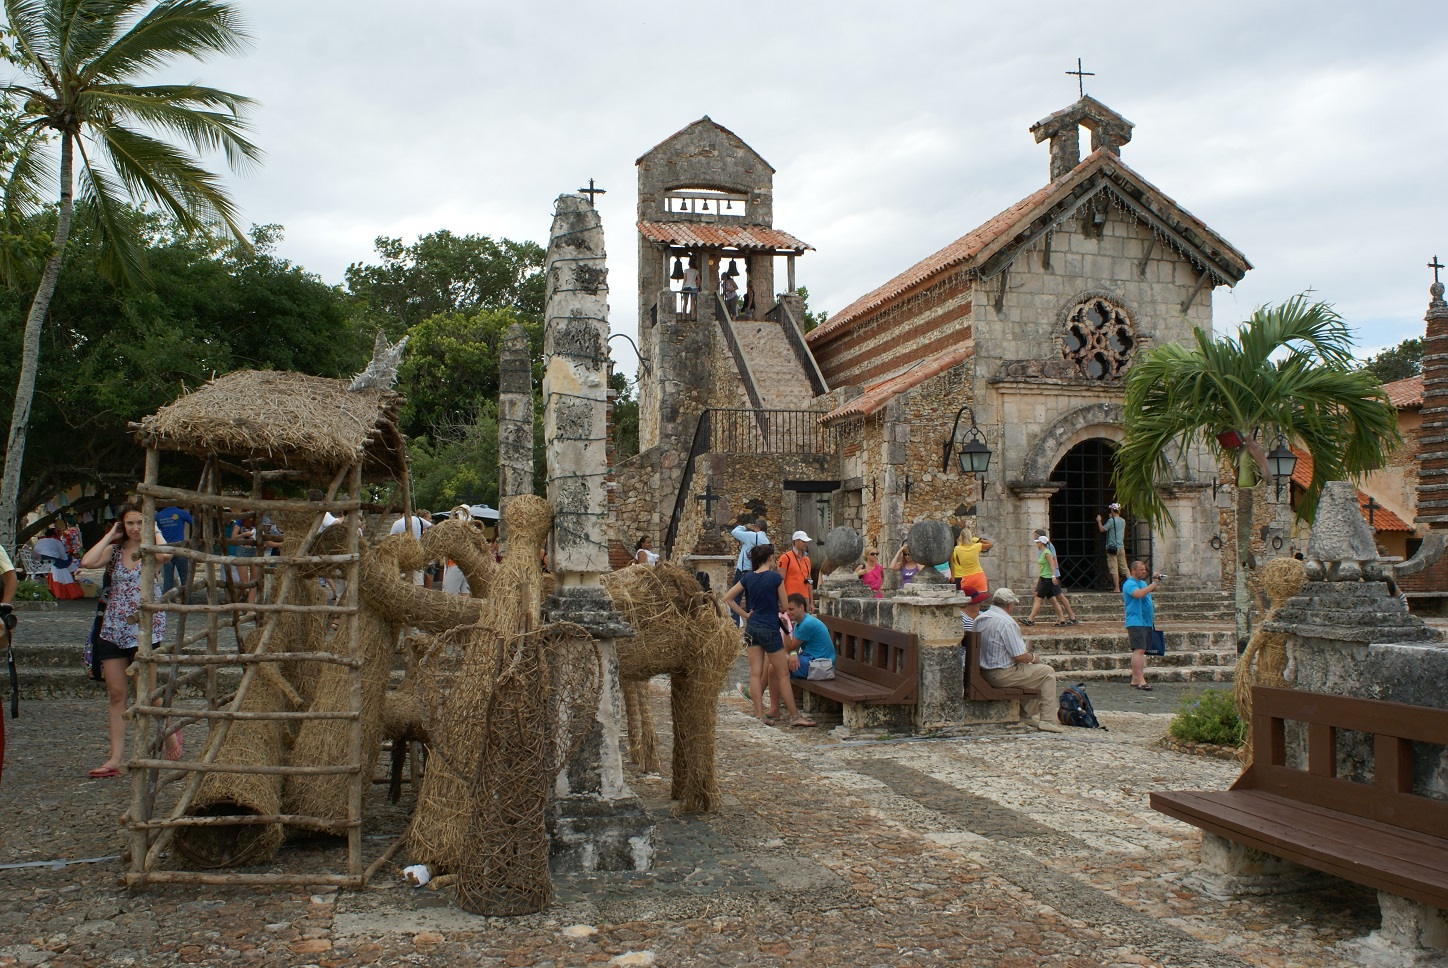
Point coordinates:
[[1094, 420], [1084, 472]]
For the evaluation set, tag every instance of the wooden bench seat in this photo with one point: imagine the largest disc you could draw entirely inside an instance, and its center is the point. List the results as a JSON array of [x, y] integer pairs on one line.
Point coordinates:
[[1382, 835], [976, 686], [873, 665]]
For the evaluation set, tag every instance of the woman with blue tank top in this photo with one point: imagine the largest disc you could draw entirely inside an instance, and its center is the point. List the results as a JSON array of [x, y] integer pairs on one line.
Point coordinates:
[[764, 590]]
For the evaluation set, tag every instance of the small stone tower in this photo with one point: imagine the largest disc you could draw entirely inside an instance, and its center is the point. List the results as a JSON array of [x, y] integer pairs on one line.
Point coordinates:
[[1108, 129]]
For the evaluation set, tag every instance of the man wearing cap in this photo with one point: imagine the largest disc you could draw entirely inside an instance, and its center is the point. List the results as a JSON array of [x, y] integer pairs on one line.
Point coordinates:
[[1006, 664], [797, 569], [1115, 530]]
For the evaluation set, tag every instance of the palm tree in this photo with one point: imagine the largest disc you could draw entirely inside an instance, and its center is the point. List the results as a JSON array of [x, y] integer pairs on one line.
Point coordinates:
[[82, 65], [1289, 371]]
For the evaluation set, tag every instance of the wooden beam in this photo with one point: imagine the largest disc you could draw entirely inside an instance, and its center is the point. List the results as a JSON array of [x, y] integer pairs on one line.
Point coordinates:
[[1000, 300], [1150, 248], [1046, 253], [1201, 282]]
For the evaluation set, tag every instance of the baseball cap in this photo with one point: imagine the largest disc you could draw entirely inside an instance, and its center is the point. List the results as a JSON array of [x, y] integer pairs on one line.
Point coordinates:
[[1114, 507], [1004, 596], [978, 597], [800, 536], [1042, 539]]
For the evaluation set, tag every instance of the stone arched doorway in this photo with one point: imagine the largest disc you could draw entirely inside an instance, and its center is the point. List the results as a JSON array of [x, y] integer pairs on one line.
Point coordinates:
[[1085, 470]]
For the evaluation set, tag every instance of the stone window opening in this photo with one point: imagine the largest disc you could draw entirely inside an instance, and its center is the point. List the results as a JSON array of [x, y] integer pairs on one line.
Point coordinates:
[[706, 201], [1099, 339]]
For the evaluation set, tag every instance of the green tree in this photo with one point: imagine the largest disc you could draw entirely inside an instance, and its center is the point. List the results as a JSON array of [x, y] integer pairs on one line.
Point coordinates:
[[811, 319], [458, 466], [625, 418], [82, 67], [1289, 370], [446, 274], [115, 353], [1398, 362]]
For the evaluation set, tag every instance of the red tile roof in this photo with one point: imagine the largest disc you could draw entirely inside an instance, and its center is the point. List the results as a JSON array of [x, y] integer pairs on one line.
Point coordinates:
[[1382, 518], [878, 394], [712, 235], [984, 241], [1406, 394]]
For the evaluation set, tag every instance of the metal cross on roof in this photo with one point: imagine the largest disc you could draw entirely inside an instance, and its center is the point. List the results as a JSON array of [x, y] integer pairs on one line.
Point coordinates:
[[591, 191], [1435, 265], [1081, 77]]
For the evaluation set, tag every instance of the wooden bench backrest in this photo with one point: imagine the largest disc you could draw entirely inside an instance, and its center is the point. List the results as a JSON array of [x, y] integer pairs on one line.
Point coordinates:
[[976, 686], [876, 654], [1394, 727]]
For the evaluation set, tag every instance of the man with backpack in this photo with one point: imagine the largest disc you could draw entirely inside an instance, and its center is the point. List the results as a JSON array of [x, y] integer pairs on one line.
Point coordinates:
[[797, 569], [1006, 664]]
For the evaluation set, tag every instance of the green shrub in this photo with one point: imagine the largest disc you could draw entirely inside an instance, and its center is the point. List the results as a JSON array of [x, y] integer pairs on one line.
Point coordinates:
[[1209, 718], [32, 591]]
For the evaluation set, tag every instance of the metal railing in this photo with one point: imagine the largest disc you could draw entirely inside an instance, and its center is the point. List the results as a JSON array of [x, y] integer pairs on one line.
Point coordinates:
[[770, 432]]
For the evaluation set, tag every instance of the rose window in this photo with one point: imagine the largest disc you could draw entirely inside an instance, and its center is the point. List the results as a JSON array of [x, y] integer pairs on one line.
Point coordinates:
[[1099, 339]]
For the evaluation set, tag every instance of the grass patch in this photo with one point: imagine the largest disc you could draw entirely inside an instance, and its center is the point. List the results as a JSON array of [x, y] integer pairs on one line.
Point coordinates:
[[32, 591], [1209, 718]]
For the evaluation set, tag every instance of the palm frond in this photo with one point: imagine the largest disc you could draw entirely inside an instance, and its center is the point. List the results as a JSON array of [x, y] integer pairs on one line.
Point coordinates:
[[103, 208], [80, 29], [169, 110], [27, 21], [170, 30], [24, 195]]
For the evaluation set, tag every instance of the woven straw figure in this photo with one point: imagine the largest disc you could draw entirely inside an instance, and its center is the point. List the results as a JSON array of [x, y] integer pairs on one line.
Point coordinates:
[[681, 631], [1265, 658]]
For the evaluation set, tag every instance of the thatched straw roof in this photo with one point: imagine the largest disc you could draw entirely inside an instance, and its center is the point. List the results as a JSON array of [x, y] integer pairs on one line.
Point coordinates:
[[284, 419]]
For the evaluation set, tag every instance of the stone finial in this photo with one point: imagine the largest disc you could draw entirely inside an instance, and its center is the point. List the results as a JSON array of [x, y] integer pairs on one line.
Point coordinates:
[[843, 547], [1437, 307], [1108, 129], [930, 544], [1341, 547]]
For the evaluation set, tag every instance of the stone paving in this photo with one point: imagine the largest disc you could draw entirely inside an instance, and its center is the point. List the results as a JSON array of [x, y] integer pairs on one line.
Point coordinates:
[[999, 846]]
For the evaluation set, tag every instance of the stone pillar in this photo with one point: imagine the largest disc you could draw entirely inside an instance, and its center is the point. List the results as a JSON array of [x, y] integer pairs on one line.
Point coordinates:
[[1033, 510], [894, 445], [1433, 437], [598, 823], [932, 613], [515, 417]]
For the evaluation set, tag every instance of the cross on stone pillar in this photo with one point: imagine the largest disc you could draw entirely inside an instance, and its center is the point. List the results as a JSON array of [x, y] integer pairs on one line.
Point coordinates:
[[1435, 265], [709, 498], [591, 191], [1081, 78]]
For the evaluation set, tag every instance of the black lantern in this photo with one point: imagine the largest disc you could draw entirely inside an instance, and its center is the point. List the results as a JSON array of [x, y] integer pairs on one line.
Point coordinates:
[[974, 455], [678, 272], [1281, 462]]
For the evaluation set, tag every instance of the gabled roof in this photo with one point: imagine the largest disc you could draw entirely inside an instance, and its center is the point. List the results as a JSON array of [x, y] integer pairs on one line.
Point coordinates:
[[726, 235], [713, 124], [1406, 394], [876, 395], [990, 247]]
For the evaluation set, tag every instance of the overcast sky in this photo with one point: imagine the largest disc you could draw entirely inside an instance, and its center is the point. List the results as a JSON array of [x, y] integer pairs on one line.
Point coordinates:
[[1309, 135]]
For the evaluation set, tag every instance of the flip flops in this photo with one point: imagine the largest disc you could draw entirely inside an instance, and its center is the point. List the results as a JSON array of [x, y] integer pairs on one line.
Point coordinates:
[[1144, 687], [104, 773], [1028, 621], [803, 723]]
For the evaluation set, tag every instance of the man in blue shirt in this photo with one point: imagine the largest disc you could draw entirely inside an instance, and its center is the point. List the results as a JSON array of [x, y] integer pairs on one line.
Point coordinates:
[[1140, 619], [175, 526], [811, 650]]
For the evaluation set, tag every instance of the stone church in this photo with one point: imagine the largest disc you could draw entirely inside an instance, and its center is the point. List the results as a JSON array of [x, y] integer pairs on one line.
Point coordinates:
[[1018, 335]]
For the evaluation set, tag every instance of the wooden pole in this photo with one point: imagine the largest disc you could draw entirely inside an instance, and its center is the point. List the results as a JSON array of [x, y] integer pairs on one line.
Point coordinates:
[[142, 783], [354, 652]]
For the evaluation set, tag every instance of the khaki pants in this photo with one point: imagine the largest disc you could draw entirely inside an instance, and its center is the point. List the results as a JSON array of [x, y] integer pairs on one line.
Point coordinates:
[[1036, 677], [1116, 565]]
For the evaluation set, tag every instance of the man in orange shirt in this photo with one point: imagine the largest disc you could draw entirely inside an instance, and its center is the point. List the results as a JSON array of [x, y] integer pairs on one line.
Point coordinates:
[[797, 569]]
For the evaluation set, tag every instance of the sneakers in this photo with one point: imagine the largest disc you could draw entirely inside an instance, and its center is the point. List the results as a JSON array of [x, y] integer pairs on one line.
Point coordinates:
[[1046, 726]]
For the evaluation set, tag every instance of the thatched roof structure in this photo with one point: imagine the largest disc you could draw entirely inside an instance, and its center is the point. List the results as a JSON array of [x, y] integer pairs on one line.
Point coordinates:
[[292, 420]]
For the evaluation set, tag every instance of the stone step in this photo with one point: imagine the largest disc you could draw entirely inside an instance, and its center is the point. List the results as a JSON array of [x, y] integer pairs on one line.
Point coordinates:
[[1153, 674], [778, 375], [1066, 642], [62, 683], [1072, 664]]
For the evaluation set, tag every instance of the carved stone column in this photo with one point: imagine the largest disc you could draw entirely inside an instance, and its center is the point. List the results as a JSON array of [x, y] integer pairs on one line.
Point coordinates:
[[515, 417]]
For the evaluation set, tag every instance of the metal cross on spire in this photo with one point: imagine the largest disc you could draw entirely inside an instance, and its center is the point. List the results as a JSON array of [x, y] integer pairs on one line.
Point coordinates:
[[1081, 77], [591, 191], [1435, 265]]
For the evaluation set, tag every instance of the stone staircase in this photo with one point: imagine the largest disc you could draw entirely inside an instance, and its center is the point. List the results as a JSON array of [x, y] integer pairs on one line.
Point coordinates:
[[1200, 639], [778, 376]]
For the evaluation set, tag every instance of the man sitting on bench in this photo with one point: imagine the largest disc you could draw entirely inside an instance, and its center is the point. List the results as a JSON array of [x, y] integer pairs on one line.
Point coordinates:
[[1006, 664], [811, 650]]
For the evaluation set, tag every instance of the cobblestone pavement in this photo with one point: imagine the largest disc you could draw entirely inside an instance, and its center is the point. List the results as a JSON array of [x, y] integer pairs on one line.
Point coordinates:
[[999, 847]]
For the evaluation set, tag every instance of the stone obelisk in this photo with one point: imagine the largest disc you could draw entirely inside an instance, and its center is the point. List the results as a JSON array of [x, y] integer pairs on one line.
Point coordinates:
[[598, 822], [515, 416]]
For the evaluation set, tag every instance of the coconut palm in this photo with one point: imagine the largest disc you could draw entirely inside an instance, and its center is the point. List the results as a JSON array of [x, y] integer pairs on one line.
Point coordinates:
[[90, 123], [1288, 371]]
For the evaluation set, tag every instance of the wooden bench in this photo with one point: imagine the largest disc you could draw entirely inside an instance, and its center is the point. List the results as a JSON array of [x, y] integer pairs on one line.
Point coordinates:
[[874, 665], [976, 686], [1381, 834]]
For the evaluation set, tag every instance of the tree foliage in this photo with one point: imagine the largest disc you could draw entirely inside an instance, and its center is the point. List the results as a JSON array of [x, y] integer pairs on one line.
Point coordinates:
[[811, 319], [1398, 362], [452, 275], [1289, 370]]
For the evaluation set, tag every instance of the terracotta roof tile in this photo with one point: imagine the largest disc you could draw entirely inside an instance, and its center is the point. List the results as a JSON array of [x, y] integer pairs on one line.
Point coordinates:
[[876, 395], [981, 241], [1406, 394], [1382, 518], [712, 235]]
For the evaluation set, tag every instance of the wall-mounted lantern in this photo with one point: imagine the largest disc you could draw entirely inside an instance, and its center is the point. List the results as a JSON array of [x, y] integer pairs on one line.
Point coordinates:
[[973, 454]]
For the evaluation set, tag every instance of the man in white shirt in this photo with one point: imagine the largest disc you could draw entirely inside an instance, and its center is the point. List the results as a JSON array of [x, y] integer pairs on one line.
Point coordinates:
[[421, 521], [749, 536], [1006, 664]]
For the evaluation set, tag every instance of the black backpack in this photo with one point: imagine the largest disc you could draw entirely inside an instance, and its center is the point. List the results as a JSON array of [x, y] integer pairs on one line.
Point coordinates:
[[1075, 709]]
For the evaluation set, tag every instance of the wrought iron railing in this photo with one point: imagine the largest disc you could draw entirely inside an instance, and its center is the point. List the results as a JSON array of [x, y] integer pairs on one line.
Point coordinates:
[[770, 432]]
